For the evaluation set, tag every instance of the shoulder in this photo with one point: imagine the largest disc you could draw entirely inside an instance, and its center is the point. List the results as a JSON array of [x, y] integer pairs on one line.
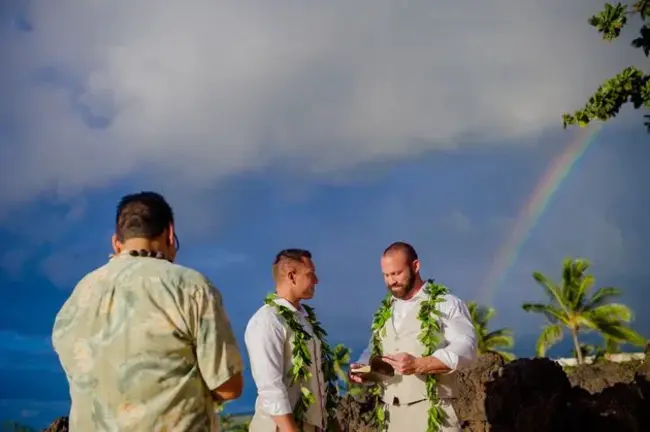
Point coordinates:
[[86, 288], [265, 318], [451, 299], [183, 276], [185, 279], [452, 305]]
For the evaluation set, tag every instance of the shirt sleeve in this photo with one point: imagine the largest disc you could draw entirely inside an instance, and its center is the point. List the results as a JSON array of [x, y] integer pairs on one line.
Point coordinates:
[[460, 336], [217, 353], [265, 337], [364, 358]]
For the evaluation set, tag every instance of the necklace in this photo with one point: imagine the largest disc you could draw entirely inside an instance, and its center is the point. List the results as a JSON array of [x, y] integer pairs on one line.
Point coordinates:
[[301, 360], [144, 253], [430, 333]]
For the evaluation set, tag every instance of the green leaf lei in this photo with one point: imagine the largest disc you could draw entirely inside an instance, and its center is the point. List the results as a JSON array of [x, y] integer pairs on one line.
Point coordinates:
[[301, 360], [429, 336]]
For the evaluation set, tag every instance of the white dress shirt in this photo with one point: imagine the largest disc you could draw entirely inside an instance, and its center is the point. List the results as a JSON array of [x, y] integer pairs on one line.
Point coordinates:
[[265, 337], [459, 347]]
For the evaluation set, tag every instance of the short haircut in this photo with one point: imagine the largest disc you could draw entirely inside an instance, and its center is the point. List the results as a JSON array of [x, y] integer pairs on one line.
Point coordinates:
[[404, 247], [289, 255], [142, 215]]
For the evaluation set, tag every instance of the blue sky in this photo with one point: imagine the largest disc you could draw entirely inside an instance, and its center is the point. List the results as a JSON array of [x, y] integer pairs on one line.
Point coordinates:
[[341, 141]]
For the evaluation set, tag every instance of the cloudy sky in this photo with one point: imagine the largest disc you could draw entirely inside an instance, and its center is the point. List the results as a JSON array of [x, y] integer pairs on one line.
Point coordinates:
[[334, 126]]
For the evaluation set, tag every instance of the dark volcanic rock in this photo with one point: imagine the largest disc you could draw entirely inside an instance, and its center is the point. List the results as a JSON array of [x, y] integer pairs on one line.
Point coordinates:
[[532, 395], [536, 395], [598, 376], [527, 394], [470, 404], [59, 425], [352, 415]]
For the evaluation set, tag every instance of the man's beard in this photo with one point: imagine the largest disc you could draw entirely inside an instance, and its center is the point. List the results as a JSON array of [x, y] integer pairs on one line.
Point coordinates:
[[404, 289]]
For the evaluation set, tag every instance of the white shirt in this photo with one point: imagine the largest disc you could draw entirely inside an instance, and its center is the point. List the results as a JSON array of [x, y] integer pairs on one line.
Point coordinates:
[[265, 337], [459, 348]]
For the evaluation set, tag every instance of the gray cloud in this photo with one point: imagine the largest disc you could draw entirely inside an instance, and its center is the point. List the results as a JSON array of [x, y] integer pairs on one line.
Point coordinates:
[[197, 92]]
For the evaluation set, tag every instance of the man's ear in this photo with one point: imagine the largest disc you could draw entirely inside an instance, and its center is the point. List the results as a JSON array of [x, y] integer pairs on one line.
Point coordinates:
[[115, 243], [170, 234], [291, 275], [416, 266]]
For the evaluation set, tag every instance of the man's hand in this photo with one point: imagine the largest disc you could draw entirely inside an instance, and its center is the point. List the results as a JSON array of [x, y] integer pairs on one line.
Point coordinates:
[[358, 378], [403, 363]]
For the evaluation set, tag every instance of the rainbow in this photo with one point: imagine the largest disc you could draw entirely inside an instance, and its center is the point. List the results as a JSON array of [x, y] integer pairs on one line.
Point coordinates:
[[535, 206]]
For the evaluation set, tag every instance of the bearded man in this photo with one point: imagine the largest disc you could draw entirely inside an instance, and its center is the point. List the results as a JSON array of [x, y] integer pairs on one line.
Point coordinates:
[[291, 362], [422, 335]]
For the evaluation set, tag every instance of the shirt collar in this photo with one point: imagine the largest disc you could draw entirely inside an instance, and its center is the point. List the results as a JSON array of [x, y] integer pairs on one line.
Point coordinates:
[[287, 303]]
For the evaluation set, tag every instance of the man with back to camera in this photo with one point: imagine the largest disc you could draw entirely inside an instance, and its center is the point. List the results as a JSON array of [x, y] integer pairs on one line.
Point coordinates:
[[146, 344], [273, 335], [414, 307]]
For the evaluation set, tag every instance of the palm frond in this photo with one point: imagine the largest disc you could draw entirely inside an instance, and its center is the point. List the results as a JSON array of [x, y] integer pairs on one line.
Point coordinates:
[[612, 312], [584, 286], [602, 296], [551, 334], [551, 289], [504, 332], [498, 342], [552, 313], [621, 333]]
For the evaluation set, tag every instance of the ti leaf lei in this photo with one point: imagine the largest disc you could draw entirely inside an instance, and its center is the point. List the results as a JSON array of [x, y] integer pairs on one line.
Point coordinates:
[[429, 337], [301, 360]]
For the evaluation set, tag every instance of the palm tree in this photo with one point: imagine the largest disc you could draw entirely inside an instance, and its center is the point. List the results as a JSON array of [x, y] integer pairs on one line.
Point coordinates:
[[341, 355], [572, 307], [490, 342]]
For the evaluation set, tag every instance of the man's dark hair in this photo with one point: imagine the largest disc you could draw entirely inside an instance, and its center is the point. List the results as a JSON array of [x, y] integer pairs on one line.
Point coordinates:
[[293, 255], [142, 215], [404, 247]]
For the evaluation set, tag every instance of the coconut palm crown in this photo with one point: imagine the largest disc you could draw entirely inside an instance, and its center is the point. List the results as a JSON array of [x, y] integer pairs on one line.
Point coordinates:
[[490, 341], [575, 306]]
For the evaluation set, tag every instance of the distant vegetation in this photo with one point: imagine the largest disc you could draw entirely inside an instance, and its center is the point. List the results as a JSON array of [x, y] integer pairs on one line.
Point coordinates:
[[12, 426], [496, 341]]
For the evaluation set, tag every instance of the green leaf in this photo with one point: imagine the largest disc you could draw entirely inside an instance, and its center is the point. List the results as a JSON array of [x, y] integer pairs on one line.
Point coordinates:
[[601, 296], [551, 312], [430, 336], [611, 312], [301, 359], [550, 335], [551, 289], [610, 21]]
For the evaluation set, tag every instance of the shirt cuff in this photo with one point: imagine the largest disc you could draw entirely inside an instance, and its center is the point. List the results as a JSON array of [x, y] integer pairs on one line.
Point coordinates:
[[275, 405], [448, 358]]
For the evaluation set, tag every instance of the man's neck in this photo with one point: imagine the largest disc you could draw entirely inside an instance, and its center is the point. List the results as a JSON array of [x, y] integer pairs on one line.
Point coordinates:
[[140, 243], [151, 245], [283, 294], [417, 286]]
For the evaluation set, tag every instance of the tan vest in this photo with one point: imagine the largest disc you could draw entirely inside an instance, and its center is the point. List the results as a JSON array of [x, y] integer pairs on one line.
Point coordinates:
[[316, 413], [405, 389]]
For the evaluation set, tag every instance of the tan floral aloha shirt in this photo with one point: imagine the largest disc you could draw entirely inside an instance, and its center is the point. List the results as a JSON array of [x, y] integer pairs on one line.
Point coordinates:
[[142, 342]]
